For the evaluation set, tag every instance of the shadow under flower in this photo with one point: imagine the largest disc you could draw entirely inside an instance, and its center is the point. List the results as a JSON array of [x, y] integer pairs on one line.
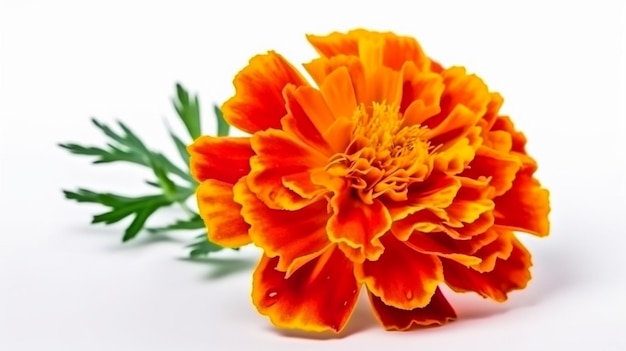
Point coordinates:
[[554, 271]]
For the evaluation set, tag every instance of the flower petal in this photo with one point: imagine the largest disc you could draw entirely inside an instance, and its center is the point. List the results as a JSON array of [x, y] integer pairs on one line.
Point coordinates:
[[319, 296], [226, 158], [423, 89], [461, 89], [437, 312], [258, 103], [338, 93], [442, 245], [500, 167], [221, 214], [437, 192], [358, 225], [401, 277], [295, 237], [525, 207], [321, 67], [395, 49], [278, 155], [507, 275]]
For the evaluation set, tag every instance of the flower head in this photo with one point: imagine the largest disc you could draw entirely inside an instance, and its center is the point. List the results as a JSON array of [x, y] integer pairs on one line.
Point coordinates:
[[388, 172]]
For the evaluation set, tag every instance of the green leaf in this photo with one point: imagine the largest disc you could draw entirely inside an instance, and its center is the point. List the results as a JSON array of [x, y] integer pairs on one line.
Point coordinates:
[[126, 147], [139, 221], [194, 222], [188, 110], [181, 148], [223, 128], [202, 247]]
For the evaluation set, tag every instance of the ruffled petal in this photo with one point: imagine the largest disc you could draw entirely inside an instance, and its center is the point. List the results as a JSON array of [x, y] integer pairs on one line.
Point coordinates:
[[278, 155], [506, 276], [395, 50], [436, 193], [225, 159], [321, 67], [401, 277], [500, 167], [525, 207], [295, 237], [442, 245], [319, 296], [221, 214], [437, 312], [258, 103], [338, 93], [358, 225]]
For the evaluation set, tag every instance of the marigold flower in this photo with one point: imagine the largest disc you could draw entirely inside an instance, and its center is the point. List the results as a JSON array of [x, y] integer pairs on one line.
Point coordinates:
[[389, 172]]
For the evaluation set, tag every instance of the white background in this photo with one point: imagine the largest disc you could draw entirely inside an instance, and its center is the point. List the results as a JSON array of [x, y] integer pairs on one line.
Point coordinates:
[[66, 285]]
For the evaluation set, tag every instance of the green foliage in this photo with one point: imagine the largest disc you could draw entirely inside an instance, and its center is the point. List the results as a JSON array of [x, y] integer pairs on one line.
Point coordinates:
[[175, 183]]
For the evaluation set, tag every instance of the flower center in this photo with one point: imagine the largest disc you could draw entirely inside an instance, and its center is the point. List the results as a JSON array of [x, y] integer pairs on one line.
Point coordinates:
[[384, 156]]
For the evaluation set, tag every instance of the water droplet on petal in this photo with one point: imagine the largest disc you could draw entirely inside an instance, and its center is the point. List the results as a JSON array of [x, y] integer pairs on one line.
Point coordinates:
[[345, 303], [409, 294], [272, 294]]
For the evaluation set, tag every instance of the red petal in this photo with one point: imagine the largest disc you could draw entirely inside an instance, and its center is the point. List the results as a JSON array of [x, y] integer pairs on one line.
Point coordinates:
[[437, 312], [401, 277], [319, 296], [525, 207], [258, 103], [225, 159], [507, 275], [500, 167], [442, 245], [358, 225], [295, 237], [299, 124], [221, 214], [280, 155]]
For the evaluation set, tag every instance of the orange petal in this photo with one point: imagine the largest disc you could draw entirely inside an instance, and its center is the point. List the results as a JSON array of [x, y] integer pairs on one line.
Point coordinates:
[[224, 158], [525, 207], [338, 93], [384, 85], [461, 89], [437, 312], [442, 245], [487, 121], [395, 49], [278, 155], [472, 200], [298, 124], [422, 221], [319, 296], [422, 89], [455, 156], [221, 214], [258, 102], [507, 275], [401, 277], [500, 248], [500, 167], [320, 68], [358, 225], [295, 237], [436, 193], [313, 104]]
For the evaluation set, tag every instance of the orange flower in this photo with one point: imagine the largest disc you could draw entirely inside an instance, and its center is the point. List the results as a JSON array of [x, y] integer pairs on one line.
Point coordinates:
[[389, 172]]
